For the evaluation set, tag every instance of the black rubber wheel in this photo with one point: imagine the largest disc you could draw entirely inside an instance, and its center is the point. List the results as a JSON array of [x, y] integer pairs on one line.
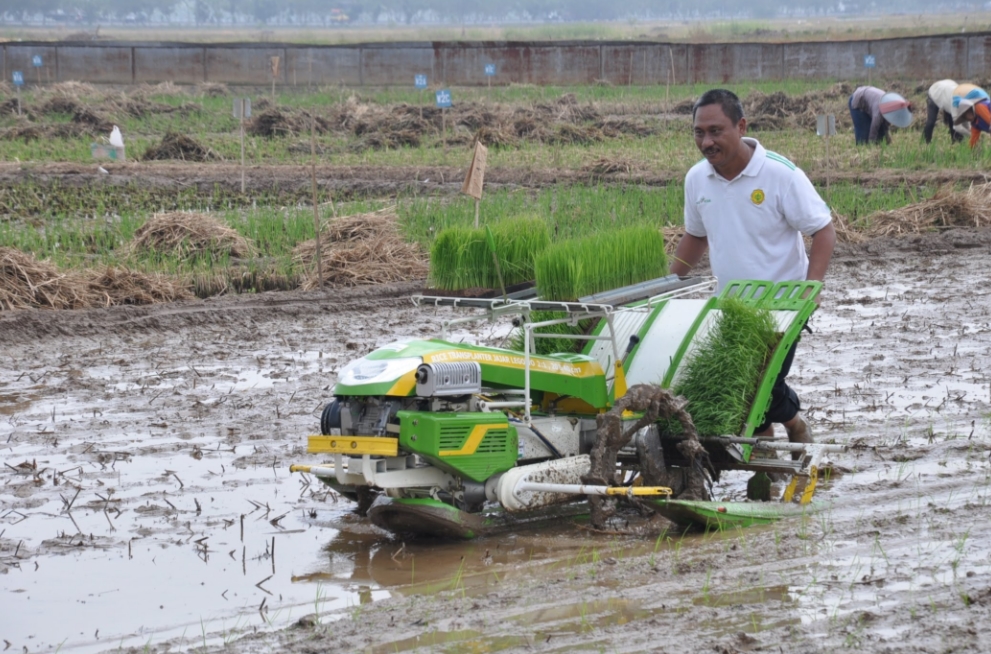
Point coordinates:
[[331, 418]]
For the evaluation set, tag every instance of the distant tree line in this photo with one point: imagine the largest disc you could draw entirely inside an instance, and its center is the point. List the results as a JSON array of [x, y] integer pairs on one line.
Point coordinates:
[[332, 12]]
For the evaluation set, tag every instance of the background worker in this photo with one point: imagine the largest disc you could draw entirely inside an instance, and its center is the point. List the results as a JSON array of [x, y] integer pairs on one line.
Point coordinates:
[[750, 207], [940, 99], [972, 107], [872, 110]]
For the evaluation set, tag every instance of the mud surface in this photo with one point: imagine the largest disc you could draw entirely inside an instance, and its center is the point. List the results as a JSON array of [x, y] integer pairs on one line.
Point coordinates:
[[146, 503]]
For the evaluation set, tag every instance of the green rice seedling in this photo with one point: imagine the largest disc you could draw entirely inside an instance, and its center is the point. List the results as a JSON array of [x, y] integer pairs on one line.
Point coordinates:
[[462, 258], [575, 268], [572, 269], [720, 379]]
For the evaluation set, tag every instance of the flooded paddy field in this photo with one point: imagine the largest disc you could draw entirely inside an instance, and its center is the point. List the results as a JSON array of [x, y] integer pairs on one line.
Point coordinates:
[[146, 502]]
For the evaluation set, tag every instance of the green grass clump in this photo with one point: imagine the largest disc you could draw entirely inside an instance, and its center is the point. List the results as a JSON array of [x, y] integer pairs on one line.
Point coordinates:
[[720, 379], [461, 257], [572, 269]]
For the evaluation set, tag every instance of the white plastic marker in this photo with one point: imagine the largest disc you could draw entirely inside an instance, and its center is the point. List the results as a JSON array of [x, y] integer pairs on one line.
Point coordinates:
[[241, 111]]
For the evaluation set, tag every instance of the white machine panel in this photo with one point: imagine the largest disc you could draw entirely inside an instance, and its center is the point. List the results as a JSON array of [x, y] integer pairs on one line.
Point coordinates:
[[626, 324], [653, 357]]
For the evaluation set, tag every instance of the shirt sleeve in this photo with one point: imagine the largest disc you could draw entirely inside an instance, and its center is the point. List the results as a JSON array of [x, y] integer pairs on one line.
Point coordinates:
[[693, 219], [975, 136], [803, 208]]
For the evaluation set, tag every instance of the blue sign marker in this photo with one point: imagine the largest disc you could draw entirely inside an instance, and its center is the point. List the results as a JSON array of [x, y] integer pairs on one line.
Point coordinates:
[[18, 78], [36, 61], [420, 81], [869, 61], [443, 98], [490, 70]]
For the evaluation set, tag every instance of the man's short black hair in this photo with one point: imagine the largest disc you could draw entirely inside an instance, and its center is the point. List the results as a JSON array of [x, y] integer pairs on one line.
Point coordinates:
[[724, 98]]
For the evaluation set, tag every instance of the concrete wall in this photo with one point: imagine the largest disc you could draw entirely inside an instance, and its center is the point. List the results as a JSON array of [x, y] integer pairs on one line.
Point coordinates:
[[462, 64]]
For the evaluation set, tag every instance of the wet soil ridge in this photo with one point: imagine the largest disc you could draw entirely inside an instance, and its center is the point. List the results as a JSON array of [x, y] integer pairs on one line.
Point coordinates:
[[30, 190]]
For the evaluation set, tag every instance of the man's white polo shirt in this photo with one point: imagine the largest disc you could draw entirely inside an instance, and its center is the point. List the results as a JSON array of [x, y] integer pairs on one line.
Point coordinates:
[[754, 223]]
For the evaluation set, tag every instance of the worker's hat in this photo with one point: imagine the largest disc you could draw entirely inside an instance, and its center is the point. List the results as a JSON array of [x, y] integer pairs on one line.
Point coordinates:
[[896, 110], [965, 96]]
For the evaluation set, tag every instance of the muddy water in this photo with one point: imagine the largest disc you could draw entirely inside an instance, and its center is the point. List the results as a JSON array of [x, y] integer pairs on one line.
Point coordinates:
[[134, 442]]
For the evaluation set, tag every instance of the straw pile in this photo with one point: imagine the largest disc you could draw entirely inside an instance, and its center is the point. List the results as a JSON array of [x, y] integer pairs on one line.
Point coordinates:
[[178, 146], [213, 89], [495, 137], [97, 122], [189, 234], [562, 121], [672, 236], [387, 140], [146, 91], [616, 126], [31, 131], [73, 88], [9, 107], [112, 286], [568, 134], [273, 121], [59, 103], [609, 166], [28, 283], [362, 249], [776, 111], [946, 209]]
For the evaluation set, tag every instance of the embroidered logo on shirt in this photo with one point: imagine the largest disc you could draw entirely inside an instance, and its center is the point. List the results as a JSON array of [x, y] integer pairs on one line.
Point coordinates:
[[757, 197], [702, 200]]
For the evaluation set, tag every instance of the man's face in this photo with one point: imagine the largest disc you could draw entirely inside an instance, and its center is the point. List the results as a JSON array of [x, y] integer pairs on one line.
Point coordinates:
[[716, 137]]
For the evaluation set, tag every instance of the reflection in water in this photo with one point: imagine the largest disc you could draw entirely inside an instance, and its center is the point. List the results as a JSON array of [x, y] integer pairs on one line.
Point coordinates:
[[380, 561], [427, 565]]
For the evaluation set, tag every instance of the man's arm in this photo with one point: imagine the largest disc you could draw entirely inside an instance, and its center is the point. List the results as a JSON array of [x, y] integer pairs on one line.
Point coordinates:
[[820, 253], [690, 250]]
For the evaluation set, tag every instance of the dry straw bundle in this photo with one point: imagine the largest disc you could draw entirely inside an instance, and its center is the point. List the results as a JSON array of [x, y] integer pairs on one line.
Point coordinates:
[[609, 166], [28, 283], [213, 89], [947, 208], [362, 249], [190, 234], [276, 122], [178, 146], [672, 236], [73, 88], [112, 286], [59, 103], [146, 91]]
